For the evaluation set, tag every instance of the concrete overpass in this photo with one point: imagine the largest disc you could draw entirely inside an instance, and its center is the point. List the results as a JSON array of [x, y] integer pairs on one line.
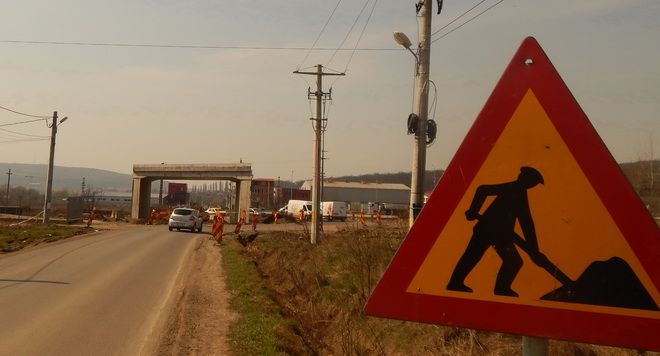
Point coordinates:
[[145, 174]]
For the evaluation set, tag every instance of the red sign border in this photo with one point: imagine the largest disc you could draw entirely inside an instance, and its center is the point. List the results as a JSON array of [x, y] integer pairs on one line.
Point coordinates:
[[390, 299]]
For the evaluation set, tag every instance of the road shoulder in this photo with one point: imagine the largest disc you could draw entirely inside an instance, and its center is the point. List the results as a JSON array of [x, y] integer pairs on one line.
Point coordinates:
[[197, 317]]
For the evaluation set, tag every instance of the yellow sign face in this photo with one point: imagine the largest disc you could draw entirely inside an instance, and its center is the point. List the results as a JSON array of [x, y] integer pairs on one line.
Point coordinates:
[[573, 227]]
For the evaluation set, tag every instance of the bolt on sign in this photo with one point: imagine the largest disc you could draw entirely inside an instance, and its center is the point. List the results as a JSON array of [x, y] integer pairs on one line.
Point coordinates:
[[533, 229]]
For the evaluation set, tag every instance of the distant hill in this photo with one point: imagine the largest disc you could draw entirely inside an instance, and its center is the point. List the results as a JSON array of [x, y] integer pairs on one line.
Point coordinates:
[[431, 178], [69, 178], [643, 175]]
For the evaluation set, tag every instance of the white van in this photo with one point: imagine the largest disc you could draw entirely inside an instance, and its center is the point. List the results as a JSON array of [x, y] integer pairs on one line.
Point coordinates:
[[334, 210], [294, 207]]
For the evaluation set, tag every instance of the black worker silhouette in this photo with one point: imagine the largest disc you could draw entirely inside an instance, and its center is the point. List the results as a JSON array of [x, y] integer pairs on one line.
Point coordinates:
[[496, 228], [610, 282]]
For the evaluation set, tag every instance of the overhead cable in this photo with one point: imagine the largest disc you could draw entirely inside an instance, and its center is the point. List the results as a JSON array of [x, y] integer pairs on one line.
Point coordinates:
[[23, 134], [22, 122], [349, 32], [468, 21], [361, 33], [24, 140], [457, 18], [148, 45], [24, 114], [320, 33]]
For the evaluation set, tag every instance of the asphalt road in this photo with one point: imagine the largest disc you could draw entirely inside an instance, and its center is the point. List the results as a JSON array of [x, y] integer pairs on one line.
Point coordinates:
[[97, 295]]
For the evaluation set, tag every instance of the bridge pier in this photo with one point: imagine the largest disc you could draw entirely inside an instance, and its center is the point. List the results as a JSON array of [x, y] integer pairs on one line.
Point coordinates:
[[242, 198], [141, 198]]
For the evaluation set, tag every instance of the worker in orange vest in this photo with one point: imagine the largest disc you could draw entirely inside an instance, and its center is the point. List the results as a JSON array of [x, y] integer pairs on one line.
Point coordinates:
[[362, 218], [241, 221], [301, 215], [255, 220], [91, 216], [377, 217], [218, 226], [153, 215]]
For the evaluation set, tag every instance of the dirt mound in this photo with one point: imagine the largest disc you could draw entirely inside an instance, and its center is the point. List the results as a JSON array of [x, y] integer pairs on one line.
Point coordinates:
[[610, 283]]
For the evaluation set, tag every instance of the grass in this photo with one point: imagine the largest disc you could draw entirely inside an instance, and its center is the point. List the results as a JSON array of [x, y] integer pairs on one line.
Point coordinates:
[[255, 331], [304, 299], [14, 238]]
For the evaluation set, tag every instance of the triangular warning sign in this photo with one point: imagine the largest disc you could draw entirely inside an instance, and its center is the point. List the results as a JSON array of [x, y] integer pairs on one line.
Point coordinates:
[[533, 228]]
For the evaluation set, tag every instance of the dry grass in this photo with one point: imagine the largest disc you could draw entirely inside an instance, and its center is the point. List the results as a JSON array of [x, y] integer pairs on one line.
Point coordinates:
[[322, 289]]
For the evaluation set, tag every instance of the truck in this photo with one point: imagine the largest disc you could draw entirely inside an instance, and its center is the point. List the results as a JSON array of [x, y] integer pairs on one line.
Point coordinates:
[[177, 194], [334, 210], [294, 207]]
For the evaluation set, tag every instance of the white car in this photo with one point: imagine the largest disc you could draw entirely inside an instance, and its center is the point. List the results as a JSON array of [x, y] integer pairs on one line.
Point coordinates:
[[212, 211], [185, 218], [260, 211]]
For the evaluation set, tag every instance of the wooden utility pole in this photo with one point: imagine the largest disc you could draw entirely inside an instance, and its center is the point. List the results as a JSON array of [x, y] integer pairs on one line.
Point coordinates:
[[8, 181], [51, 160], [318, 127]]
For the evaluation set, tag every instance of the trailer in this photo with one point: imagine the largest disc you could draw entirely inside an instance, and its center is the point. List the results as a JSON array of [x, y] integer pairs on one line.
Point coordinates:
[[294, 207], [334, 210]]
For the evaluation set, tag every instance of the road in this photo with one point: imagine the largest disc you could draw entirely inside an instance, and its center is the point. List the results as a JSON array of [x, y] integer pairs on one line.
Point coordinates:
[[99, 294]]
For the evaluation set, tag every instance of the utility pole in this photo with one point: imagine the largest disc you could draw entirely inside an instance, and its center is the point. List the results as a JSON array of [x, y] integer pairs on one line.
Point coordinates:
[[160, 192], [51, 160], [318, 126], [291, 190], [8, 181], [421, 110]]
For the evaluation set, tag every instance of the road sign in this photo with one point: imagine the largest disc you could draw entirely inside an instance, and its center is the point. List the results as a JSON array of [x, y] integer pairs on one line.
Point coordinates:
[[533, 228]]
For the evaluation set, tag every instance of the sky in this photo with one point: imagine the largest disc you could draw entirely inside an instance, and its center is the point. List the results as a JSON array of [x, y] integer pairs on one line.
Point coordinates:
[[128, 105]]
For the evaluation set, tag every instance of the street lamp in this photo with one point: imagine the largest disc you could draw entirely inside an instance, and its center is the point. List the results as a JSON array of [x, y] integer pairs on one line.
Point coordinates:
[[404, 41]]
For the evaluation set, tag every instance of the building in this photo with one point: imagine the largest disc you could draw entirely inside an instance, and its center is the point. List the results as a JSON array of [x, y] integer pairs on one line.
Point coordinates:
[[116, 200], [362, 192], [283, 195], [261, 193]]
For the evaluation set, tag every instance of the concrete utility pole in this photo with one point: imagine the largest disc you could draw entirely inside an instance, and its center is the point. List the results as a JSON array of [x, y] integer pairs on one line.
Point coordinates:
[[51, 160], [421, 110], [318, 126], [8, 181]]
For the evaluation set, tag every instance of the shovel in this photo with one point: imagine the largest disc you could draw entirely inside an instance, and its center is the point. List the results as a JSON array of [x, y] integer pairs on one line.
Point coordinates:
[[540, 259]]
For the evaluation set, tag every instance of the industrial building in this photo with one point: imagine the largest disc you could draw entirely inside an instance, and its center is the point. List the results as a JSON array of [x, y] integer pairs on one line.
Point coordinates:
[[361, 192]]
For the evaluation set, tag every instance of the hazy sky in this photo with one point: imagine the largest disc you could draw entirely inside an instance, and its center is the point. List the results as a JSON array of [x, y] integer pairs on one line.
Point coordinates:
[[131, 105]]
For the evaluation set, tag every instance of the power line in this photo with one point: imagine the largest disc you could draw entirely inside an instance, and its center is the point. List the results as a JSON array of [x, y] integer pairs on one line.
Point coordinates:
[[149, 45], [24, 114], [361, 33], [24, 134], [349, 32], [468, 21], [23, 122], [320, 33], [457, 18], [24, 140]]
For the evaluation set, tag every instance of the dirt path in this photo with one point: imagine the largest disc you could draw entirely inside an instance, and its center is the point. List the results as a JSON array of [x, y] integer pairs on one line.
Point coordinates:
[[199, 316]]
